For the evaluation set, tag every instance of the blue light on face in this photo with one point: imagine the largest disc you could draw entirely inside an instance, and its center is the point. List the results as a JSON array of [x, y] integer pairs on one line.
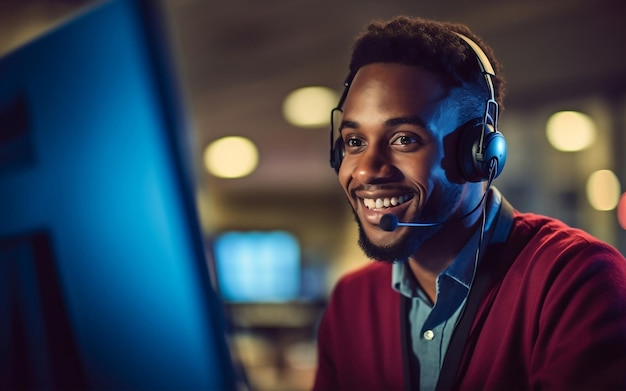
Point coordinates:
[[258, 266]]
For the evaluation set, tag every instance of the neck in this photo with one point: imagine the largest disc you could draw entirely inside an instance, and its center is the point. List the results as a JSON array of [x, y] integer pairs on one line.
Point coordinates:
[[435, 255]]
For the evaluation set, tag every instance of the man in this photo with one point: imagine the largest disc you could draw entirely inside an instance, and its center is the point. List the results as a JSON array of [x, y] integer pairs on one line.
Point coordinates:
[[475, 295]]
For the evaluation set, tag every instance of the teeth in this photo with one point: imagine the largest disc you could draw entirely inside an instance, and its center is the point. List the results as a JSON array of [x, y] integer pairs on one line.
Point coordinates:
[[380, 203]]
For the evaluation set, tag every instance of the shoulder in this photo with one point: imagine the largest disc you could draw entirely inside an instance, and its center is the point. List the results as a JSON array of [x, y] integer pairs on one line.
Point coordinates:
[[370, 273], [363, 281], [542, 235], [564, 292], [367, 285], [557, 255]]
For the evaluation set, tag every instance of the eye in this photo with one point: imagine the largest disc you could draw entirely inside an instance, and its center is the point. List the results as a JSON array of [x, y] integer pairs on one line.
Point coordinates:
[[353, 142], [405, 139]]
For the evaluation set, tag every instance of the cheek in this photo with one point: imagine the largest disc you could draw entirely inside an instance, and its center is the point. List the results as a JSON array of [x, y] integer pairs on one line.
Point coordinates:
[[421, 168], [344, 176], [450, 161]]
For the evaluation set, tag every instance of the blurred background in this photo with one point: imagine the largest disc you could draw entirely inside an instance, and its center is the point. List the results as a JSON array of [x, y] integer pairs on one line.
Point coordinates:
[[259, 80]]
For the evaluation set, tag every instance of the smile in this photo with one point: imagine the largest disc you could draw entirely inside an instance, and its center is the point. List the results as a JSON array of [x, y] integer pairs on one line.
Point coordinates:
[[387, 202]]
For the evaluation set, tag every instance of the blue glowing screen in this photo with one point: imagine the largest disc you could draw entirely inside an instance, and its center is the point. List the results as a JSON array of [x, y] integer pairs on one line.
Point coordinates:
[[95, 212], [258, 266]]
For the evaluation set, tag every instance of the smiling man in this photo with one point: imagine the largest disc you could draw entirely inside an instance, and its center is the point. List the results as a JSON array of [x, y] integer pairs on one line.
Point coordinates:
[[467, 292]]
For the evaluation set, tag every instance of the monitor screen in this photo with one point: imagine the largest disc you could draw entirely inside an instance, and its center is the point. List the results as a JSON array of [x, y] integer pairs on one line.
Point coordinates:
[[258, 266], [104, 283]]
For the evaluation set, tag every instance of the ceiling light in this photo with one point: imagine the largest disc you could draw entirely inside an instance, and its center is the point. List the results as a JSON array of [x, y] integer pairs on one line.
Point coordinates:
[[570, 131], [603, 190], [309, 107], [231, 157]]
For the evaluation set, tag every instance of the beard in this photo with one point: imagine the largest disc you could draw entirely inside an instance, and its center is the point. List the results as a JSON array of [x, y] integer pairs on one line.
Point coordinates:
[[401, 251]]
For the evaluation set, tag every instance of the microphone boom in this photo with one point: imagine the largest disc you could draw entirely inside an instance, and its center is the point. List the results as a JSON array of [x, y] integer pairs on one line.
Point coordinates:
[[390, 223]]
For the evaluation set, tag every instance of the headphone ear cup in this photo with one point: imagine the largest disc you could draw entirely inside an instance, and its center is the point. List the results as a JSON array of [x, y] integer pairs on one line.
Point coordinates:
[[475, 168], [495, 148], [337, 154]]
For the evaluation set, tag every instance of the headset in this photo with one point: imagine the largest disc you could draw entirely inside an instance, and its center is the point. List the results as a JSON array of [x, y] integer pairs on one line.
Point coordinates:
[[482, 148]]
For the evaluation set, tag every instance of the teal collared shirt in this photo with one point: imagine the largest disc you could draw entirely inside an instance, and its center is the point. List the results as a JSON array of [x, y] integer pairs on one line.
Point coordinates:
[[432, 325]]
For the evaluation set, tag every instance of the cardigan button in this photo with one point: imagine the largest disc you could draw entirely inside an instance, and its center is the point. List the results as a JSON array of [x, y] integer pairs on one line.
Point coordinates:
[[429, 335]]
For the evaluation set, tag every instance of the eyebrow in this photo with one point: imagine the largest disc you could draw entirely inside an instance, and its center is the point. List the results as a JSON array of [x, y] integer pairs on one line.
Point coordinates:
[[411, 120]]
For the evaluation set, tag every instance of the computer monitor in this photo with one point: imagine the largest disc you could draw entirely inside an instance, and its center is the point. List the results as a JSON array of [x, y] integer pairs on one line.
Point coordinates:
[[258, 266], [104, 283]]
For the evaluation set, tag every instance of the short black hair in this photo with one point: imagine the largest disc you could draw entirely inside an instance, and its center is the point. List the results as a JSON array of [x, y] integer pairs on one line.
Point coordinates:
[[428, 44]]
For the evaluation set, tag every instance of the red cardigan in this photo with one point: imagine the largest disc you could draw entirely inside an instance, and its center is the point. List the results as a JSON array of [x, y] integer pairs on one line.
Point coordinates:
[[555, 321]]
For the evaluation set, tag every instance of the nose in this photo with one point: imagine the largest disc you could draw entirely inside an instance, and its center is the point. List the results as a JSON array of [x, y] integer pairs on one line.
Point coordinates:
[[375, 166]]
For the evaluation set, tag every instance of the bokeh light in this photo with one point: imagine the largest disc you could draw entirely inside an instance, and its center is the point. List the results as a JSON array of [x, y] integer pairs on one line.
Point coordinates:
[[309, 107], [231, 157], [603, 190], [570, 131]]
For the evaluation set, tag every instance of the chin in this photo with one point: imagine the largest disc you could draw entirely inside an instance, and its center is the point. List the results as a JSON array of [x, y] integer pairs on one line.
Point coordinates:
[[399, 246]]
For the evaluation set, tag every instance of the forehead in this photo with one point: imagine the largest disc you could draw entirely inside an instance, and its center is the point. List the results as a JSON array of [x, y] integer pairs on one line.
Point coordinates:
[[393, 87]]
